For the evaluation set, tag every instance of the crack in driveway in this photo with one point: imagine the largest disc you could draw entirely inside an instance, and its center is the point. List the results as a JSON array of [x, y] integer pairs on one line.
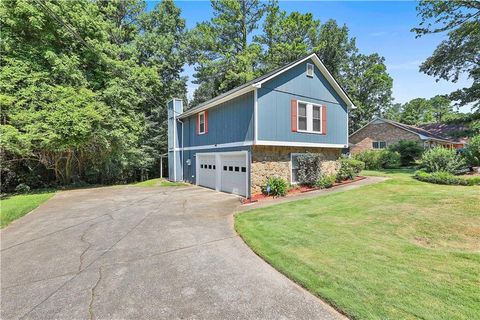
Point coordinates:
[[76, 275], [92, 294]]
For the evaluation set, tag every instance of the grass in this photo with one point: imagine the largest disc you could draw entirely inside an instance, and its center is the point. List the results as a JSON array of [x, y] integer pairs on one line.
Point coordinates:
[[159, 182], [16, 206], [400, 249]]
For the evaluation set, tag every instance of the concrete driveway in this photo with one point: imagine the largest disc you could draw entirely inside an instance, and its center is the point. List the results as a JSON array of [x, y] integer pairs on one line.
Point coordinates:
[[141, 253]]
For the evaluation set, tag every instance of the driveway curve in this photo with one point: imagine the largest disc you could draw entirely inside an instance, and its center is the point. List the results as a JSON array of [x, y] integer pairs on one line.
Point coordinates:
[[141, 253]]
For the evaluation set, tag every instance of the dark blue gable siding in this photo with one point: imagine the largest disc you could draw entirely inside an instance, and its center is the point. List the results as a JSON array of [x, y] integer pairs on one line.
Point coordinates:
[[274, 112], [231, 121]]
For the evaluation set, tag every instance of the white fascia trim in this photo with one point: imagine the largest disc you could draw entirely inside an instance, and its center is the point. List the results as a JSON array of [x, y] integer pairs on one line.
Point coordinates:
[[219, 146], [217, 102], [325, 73], [300, 144]]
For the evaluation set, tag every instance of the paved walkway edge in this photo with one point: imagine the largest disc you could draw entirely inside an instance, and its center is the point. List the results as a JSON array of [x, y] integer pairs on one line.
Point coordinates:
[[312, 194]]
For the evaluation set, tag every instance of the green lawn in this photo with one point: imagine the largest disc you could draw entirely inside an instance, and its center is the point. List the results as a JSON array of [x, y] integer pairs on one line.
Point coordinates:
[[14, 207], [400, 249], [158, 183]]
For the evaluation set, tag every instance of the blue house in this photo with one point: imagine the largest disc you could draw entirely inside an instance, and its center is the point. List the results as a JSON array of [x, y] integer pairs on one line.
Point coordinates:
[[235, 141]]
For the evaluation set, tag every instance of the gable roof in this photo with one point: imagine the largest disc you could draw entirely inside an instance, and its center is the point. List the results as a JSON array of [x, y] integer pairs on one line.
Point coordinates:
[[257, 83], [447, 130], [422, 133]]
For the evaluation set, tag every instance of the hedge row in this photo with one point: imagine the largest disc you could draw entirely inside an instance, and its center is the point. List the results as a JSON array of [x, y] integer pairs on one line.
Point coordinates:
[[442, 177]]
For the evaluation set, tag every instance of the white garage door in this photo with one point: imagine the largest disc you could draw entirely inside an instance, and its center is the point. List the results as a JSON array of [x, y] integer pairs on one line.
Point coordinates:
[[223, 171], [206, 170], [234, 174]]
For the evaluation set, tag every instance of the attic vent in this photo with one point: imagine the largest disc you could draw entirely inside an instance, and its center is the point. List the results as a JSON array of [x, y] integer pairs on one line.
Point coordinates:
[[309, 70]]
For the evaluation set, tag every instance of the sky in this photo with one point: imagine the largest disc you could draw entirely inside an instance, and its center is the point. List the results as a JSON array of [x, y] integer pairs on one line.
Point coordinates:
[[379, 27]]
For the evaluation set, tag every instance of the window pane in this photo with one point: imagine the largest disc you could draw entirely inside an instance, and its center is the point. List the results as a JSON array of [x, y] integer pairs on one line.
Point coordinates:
[[316, 125], [316, 112], [202, 127], [383, 144], [237, 169], [244, 169], [230, 168], [224, 168], [302, 110], [375, 145], [294, 161], [302, 123], [294, 175]]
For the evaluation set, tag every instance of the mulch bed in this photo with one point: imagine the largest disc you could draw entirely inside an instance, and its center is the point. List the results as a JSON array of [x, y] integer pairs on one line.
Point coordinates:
[[296, 190]]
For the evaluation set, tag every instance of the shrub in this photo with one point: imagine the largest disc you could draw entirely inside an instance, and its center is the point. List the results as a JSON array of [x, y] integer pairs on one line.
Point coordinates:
[[22, 188], [441, 159], [389, 159], [472, 151], [275, 186], [409, 151], [379, 159], [371, 158], [309, 168], [442, 177], [349, 169], [326, 181]]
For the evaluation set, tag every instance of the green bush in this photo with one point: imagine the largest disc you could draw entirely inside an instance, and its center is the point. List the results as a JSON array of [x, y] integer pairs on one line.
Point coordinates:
[[278, 187], [472, 151], [442, 177], [375, 159], [22, 188], [409, 151], [326, 181], [309, 168], [371, 158], [389, 159], [441, 159], [349, 169]]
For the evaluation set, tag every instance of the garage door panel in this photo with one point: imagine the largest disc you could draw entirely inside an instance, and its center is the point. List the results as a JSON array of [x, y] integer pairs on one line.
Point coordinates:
[[206, 171], [234, 174]]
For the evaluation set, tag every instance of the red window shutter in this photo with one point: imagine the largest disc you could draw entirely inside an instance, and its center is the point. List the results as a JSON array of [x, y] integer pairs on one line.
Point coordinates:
[[198, 124], [206, 121], [324, 119], [293, 107]]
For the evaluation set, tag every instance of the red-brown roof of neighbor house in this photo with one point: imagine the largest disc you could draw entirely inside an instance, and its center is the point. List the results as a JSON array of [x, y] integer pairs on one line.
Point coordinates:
[[446, 130]]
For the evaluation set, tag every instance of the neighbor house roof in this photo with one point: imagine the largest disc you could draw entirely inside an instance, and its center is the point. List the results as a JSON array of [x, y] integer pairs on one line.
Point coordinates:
[[422, 133], [257, 83], [448, 130]]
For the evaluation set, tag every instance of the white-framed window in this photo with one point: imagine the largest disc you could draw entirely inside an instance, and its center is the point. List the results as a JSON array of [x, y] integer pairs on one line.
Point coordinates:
[[379, 144], [309, 117], [294, 167], [302, 116], [201, 123], [310, 70]]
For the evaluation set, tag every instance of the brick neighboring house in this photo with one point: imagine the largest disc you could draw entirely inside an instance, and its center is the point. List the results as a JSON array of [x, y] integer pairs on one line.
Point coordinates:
[[380, 133]]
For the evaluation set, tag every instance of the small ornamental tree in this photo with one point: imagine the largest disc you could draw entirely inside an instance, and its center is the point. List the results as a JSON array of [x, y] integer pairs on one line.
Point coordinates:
[[409, 151], [472, 152]]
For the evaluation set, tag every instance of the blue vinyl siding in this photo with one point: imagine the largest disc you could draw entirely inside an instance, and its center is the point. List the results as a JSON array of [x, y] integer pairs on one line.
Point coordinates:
[[231, 121], [274, 112]]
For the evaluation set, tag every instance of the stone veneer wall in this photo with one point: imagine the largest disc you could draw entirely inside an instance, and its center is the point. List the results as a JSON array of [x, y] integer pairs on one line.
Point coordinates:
[[387, 132], [275, 161]]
